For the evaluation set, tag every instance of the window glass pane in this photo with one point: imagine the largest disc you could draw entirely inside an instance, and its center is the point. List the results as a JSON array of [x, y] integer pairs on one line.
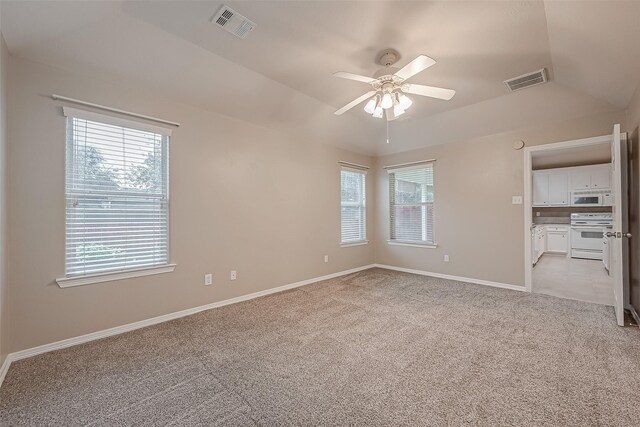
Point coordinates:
[[116, 189], [412, 201], [352, 206]]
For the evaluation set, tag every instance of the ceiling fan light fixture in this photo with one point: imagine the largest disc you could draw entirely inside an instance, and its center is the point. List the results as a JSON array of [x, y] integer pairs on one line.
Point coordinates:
[[370, 106], [387, 101], [398, 110], [404, 101], [377, 113]]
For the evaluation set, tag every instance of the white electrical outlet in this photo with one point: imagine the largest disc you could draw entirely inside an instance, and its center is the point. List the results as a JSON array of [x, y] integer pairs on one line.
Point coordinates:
[[208, 279], [326, 258], [234, 275], [537, 213], [446, 258]]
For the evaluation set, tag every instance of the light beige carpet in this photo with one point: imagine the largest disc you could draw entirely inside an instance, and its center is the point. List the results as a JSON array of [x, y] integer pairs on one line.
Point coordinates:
[[376, 348]]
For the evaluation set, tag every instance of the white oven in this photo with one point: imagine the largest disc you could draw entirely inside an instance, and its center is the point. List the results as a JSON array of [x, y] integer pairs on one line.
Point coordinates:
[[587, 232], [591, 198], [586, 242]]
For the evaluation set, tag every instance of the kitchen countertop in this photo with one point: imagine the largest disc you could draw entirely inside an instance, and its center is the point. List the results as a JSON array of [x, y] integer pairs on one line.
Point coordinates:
[[534, 226]]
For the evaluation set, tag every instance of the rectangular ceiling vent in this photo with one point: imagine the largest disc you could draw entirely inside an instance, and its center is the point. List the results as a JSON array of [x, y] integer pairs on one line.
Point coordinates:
[[233, 22], [527, 80]]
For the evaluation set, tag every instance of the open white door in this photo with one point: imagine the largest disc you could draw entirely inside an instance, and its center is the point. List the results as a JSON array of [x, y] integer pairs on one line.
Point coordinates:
[[618, 235]]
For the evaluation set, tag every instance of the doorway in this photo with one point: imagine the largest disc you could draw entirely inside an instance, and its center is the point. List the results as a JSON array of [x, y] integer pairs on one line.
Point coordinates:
[[569, 207]]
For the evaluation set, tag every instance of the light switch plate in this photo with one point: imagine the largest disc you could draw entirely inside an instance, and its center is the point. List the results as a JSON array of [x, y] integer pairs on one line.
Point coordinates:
[[516, 200]]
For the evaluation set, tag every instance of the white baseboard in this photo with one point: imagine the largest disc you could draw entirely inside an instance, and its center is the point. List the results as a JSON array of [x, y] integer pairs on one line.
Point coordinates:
[[23, 354], [457, 278], [5, 368]]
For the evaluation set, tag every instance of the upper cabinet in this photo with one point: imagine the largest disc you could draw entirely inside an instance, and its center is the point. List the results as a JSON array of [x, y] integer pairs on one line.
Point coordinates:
[[596, 177], [553, 187], [550, 188]]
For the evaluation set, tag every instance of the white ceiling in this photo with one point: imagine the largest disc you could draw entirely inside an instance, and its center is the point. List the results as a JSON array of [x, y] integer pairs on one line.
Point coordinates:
[[280, 76]]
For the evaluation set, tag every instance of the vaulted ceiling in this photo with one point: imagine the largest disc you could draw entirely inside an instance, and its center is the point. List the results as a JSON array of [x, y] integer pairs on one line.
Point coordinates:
[[280, 76]]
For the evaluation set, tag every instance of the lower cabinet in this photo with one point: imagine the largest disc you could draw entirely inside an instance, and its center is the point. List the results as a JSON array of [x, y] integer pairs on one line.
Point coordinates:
[[549, 239], [540, 243], [557, 240]]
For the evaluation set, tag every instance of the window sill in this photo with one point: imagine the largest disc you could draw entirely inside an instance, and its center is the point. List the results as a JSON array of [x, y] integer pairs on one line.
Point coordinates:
[[68, 282], [358, 243], [412, 244]]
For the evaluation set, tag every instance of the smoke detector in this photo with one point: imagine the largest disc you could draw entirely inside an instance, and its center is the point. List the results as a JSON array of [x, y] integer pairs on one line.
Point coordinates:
[[238, 25], [527, 80]]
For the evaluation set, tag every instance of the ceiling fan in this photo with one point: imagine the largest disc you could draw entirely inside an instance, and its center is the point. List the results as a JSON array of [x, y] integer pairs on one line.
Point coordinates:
[[389, 88]]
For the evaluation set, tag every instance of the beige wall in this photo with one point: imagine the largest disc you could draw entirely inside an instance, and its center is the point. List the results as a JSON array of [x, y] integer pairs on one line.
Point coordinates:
[[246, 198], [4, 317], [242, 197], [475, 222], [633, 112]]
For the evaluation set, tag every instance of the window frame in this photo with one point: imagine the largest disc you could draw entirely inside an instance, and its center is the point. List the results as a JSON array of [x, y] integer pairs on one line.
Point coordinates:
[[75, 279], [405, 242], [361, 204]]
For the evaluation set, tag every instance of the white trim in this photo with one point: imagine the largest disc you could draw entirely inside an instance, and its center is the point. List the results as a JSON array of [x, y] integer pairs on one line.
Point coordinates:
[[456, 278], [114, 110], [68, 282], [349, 165], [5, 367], [358, 243], [412, 244], [354, 170], [528, 203], [410, 165], [23, 354], [113, 120]]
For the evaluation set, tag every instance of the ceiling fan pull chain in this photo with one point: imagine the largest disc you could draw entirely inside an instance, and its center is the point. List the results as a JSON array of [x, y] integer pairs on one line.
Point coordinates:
[[387, 131]]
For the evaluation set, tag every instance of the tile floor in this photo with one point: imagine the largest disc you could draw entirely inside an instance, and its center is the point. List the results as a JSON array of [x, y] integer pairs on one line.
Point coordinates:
[[578, 279]]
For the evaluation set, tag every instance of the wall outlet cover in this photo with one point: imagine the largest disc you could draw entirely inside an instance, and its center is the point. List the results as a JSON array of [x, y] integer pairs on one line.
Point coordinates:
[[208, 279], [234, 275], [516, 200]]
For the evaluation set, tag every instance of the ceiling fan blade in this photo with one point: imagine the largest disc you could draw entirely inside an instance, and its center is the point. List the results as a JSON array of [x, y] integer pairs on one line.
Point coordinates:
[[421, 63], [433, 92], [355, 102], [356, 77]]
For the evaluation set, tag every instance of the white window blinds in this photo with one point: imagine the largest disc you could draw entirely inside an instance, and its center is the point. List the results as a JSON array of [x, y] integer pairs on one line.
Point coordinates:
[[411, 203], [116, 194], [353, 216]]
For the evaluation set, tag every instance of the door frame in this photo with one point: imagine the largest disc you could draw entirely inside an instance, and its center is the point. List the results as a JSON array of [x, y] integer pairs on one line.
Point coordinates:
[[528, 191]]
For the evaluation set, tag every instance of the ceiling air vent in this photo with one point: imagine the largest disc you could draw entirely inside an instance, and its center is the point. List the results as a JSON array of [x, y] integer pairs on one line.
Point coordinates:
[[527, 80], [233, 22]]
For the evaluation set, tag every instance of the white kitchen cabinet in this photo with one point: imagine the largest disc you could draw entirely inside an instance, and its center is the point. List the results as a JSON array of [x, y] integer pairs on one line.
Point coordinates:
[[558, 188], [580, 179], [601, 177], [553, 187], [595, 177], [550, 188], [540, 241], [606, 252], [540, 189], [557, 240]]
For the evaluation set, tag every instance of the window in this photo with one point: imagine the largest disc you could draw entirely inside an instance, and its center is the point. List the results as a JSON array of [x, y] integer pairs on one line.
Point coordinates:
[[411, 203], [353, 216], [116, 194]]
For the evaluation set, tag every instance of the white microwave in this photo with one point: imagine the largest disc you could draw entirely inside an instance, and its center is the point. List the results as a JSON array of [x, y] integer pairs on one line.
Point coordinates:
[[591, 198]]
